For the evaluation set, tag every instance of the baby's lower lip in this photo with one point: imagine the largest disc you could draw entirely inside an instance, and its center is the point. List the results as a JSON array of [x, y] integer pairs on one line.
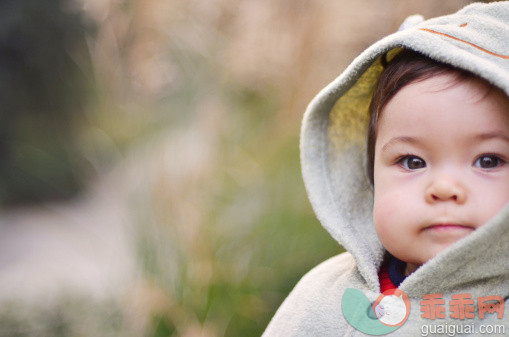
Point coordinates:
[[448, 227]]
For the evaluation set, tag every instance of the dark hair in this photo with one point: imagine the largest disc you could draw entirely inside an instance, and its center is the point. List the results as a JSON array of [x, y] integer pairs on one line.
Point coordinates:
[[405, 68]]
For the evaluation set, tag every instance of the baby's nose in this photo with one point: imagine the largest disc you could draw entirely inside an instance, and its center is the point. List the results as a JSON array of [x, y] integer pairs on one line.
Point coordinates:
[[446, 190]]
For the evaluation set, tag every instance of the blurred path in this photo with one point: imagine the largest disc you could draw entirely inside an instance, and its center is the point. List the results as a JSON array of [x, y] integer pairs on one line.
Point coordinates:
[[80, 247]]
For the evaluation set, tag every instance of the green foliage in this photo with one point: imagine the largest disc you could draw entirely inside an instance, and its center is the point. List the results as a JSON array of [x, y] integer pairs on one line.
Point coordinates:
[[257, 237], [162, 327]]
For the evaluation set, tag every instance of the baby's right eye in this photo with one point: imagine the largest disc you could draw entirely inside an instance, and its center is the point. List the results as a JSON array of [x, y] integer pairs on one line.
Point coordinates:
[[411, 162]]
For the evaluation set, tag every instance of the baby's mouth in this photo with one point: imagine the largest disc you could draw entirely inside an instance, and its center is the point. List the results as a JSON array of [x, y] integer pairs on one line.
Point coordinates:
[[448, 230], [448, 226]]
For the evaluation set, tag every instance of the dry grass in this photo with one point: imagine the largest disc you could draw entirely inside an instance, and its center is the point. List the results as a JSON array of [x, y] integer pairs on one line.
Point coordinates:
[[220, 210]]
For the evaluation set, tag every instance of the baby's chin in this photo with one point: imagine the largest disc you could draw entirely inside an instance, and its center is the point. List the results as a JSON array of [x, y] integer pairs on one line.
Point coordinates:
[[414, 262], [435, 244]]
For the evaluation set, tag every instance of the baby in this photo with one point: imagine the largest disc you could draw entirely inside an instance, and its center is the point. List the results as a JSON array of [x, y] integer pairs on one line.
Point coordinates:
[[438, 153], [428, 220]]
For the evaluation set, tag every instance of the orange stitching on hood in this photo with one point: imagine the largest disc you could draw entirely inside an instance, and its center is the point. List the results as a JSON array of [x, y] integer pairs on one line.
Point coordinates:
[[469, 43]]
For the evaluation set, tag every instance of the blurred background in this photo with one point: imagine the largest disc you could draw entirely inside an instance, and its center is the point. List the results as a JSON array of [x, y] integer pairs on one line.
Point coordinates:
[[149, 164]]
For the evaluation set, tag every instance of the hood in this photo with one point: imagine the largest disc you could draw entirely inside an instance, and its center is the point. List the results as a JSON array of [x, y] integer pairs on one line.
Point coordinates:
[[333, 148]]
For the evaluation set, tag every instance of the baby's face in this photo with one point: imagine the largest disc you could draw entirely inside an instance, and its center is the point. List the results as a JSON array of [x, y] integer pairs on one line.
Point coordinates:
[[441, 165]]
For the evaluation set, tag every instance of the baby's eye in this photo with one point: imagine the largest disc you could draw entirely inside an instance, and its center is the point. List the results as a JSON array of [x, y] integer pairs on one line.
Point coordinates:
[[412, 162], [488, 161]]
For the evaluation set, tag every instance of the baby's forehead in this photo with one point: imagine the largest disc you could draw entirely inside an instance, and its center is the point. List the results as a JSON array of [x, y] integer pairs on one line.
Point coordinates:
[[474, 87], [454, 89], [443, 108]]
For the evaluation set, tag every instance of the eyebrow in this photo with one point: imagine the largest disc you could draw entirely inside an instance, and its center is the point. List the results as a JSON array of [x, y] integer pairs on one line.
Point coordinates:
[[402, 139], [492, 135], [413, 140]]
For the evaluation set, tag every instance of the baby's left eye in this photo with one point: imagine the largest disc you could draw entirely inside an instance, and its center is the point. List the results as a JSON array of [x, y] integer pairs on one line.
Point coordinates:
[[488, 161]]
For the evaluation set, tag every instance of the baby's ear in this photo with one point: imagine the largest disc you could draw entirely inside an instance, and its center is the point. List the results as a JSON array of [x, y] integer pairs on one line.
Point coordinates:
[[411, 21]]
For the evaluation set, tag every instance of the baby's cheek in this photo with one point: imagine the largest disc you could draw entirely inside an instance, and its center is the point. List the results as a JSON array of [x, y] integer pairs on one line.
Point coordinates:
[[495, 205], [386, 206], [385, 214], [391, 213]]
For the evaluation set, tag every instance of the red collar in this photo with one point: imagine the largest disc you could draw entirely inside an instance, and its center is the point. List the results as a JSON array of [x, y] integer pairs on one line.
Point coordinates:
[[385, 281]]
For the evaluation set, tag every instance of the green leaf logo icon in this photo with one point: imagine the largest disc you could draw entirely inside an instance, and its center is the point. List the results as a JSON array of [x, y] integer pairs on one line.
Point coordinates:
[[386, 315]]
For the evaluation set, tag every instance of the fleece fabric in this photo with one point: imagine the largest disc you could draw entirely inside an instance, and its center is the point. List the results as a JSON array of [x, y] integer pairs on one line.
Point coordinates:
[[333, 151]]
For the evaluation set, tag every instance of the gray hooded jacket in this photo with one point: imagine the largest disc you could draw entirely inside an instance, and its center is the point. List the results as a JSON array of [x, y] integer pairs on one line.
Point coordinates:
[[333, 147]]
